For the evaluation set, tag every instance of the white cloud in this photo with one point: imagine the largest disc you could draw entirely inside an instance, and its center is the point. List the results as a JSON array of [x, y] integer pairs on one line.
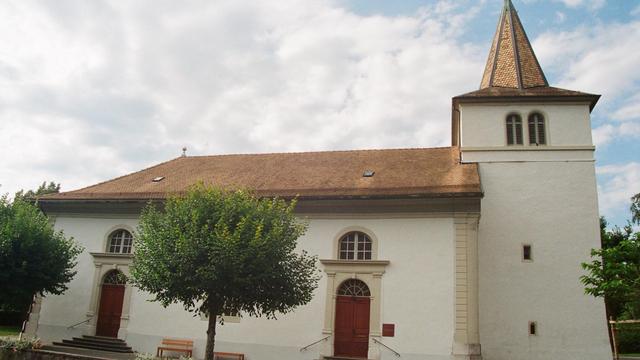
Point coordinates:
[[607, 133], [560, 17], [591, 4], [91, 90], [598, 59], [630, 110], [620, 183]]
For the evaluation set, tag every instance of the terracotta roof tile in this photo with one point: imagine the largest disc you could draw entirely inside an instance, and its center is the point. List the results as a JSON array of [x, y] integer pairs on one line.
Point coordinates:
[[512, 62], [433, 172]]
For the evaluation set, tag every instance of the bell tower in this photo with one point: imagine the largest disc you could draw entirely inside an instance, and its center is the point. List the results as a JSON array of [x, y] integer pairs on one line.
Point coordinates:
[[539, 216]]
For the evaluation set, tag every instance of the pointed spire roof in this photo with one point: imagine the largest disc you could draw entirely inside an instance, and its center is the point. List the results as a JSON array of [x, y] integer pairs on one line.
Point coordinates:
[[513, 73], [512, 62]]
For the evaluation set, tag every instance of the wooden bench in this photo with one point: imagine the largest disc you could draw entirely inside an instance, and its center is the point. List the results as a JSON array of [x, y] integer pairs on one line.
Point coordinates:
[[221, 355], [175, 345]]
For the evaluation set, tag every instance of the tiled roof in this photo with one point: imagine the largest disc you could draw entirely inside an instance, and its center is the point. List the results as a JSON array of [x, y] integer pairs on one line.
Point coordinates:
[[433, 172], [513, 73], [512, 62], [547, 93]]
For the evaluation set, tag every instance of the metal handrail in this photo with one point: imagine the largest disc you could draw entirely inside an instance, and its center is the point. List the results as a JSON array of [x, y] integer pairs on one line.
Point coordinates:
[[390, 349], [314, 343], [81, 322]]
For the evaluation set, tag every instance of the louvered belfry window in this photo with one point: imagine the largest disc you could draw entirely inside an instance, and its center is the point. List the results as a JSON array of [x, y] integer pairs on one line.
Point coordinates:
[[514, 130], [355, 246], [537, 135]]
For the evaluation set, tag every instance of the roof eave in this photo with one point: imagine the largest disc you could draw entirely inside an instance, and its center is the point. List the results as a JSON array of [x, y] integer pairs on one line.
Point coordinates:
[[96, 200], [591, 99]]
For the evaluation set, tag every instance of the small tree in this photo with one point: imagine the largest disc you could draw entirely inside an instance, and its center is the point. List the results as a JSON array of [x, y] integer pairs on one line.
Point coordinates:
[[221, 252], [34, 258]]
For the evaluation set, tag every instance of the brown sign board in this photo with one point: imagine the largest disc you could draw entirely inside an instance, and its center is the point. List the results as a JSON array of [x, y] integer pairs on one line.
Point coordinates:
[[388, 330]]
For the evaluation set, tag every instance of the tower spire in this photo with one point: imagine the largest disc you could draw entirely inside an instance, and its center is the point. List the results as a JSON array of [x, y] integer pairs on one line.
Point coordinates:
[[512, 62]]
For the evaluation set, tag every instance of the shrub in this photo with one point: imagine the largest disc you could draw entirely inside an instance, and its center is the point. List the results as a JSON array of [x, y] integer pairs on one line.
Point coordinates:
[[19, 345], [628, 338]]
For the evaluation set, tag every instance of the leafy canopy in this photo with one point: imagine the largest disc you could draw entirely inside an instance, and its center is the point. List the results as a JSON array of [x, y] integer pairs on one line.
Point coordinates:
[[219, 251], [34, 258], [43, 189], [614, 271]]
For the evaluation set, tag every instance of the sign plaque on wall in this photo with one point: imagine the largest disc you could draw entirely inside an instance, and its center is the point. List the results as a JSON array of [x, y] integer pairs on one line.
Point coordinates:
[[388, 330]]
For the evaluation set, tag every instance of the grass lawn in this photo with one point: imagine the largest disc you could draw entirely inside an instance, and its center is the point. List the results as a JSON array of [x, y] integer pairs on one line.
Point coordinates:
[[9, 330]]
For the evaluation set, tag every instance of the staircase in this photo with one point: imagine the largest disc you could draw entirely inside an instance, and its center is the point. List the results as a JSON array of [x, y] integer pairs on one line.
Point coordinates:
[[97, 343]]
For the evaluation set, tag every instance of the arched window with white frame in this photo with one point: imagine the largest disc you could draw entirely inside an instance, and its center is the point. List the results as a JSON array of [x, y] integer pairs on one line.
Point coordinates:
[[355, 245], [120, 242]]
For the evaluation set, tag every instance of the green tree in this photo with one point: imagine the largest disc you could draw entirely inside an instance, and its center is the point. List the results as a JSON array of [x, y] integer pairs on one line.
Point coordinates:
[[614, 271], [222, 252], [43, 189], [34, 258], [635, 209]]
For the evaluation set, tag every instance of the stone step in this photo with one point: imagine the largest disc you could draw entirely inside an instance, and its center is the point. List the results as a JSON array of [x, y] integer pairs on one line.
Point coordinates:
[[79, 353], [103, 339], [70, 343], [115, 345]]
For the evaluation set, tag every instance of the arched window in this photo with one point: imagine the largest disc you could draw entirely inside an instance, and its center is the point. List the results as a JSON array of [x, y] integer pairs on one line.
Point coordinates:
[[514, 129], [537, 135], [120, 242], [115, 277], [355, 245], [354, 287]]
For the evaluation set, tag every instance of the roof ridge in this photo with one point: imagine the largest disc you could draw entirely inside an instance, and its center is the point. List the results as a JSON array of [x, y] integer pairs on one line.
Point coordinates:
[[319, 152]]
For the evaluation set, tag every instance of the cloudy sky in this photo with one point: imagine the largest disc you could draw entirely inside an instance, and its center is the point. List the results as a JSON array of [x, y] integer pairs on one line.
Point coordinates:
[[90, 90]]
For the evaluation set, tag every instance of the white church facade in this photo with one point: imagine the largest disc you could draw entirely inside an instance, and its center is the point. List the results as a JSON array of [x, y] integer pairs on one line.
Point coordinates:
[[471, 251]]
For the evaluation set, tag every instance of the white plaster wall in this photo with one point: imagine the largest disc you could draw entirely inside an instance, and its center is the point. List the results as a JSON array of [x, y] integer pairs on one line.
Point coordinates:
[[553, 207], [59, 312], [483, 125], [417, 294]]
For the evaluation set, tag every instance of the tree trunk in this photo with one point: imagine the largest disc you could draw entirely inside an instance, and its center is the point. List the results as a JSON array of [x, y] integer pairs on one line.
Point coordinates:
[[211, 333], [27, 316], [607, 311]]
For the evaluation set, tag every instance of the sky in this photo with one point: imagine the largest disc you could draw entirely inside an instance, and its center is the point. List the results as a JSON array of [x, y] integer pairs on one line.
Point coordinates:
[[92, 90]]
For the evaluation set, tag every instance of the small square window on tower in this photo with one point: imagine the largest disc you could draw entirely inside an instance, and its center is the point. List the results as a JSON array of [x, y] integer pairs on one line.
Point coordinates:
[[533, 328], [527, 253]]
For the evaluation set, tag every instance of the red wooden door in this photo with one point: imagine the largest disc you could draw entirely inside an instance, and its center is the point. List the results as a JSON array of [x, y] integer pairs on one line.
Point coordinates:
[[110, 310], [352, 326]]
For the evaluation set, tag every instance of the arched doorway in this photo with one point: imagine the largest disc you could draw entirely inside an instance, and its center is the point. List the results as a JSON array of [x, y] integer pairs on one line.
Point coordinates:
[[352, 319], [111, 298]]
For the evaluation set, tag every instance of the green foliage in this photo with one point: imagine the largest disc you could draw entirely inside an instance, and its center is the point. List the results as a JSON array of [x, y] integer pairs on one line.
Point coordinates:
[[34, 258], [628, 337], [19, 345], [43, 189], [217, 251], [614, 271], [635, 209]]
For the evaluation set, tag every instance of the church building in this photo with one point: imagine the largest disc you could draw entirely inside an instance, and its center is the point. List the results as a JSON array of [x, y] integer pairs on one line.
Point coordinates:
[[471, 251]]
